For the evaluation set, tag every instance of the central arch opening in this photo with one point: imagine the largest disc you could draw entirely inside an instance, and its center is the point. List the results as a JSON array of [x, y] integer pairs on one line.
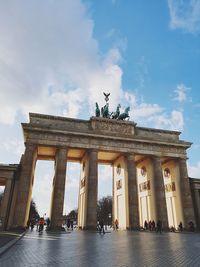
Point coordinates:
[[105, 194]]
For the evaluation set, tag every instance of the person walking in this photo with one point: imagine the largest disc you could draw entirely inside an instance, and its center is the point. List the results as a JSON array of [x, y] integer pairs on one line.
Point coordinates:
[[159, 226], [32, 224], [145, 225], [116, 224], [48, 223], [41, 224], [180, 227], [101, 227], [72, 224], [153, 225]]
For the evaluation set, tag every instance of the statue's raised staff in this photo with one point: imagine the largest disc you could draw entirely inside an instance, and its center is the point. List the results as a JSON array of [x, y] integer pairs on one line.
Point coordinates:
[[124, 115]]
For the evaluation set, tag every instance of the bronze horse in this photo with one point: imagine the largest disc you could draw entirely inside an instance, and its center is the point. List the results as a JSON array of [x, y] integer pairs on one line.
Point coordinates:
[[124, 115]]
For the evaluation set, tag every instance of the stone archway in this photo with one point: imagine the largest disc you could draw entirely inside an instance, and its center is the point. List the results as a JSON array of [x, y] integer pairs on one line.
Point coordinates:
[[127, 146]]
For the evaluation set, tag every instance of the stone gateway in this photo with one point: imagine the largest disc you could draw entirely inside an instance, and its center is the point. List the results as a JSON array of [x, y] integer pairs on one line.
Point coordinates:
[[150, 178]]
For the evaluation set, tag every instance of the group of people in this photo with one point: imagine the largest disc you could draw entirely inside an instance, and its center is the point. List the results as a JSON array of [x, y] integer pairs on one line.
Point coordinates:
[[100, 226], [152, 226], [39, 224], [149, 225]]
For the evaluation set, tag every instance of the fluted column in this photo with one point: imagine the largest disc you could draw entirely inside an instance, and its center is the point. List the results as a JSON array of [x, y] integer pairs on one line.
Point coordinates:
[[187, 204], [161, 207], [92, 191], [132, 193], [58, 193], [26, 177]]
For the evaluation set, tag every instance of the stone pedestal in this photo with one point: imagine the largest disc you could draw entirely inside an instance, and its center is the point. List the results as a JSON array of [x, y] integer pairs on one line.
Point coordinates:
[[132, 193], [26, 177], [92, 191], [161, 207], [188, 210], [58, 193]]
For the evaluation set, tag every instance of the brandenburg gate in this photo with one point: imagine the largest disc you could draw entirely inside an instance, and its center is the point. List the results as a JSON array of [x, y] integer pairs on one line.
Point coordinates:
[[150, 179]]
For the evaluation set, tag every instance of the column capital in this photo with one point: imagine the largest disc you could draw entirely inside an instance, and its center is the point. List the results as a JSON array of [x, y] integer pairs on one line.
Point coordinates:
[[92, 150], [61, 148], [156, 158], [130, 156]]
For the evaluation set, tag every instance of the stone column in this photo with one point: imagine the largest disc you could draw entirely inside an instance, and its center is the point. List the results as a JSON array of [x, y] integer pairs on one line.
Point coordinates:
[[132, 193], [5, 203], [197, 204], [160, 199], [92, 191], [58, 193], [26, 177], [187, 204]]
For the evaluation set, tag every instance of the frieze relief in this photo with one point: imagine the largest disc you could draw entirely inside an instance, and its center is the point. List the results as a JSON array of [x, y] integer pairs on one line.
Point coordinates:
[[114, 127]]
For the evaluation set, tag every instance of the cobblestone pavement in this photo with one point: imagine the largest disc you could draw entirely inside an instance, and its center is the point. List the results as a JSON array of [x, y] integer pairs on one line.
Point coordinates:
[[115, 249]]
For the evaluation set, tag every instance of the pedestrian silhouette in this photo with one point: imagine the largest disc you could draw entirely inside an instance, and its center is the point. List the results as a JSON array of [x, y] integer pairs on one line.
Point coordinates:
[[101, 227], [159, 226]]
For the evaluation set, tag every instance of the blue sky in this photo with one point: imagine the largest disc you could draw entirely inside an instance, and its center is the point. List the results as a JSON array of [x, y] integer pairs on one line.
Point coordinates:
[[57, 57]]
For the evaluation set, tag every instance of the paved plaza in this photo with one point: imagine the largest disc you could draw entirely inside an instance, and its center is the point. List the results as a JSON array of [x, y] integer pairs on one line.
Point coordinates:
[[114, 249]]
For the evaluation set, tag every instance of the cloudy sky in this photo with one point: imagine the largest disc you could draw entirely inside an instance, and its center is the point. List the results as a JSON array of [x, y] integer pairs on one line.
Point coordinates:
[[57, 57]]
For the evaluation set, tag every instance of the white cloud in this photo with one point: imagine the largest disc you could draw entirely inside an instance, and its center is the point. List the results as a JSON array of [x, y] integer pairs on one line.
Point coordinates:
[[185, 15], [173, 121], [180, 92], [13, 146], [146, 110], [105, 173], [49, 60], [153, 115], [194, 171]]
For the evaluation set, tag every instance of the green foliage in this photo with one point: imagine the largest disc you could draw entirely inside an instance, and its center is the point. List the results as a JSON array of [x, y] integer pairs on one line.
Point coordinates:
[[104, 210], [73, 214], [33, 215]]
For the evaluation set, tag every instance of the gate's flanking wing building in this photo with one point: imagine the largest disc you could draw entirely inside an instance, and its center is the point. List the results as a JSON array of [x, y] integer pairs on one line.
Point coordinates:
[[150, 179]]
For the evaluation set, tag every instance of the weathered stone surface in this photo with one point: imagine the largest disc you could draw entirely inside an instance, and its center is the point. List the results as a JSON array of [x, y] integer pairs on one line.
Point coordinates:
[[25, 186], [92, 187], [161, 207], [132, 193], [4, 211], [122, 136], [58, 189], [188, 209]]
